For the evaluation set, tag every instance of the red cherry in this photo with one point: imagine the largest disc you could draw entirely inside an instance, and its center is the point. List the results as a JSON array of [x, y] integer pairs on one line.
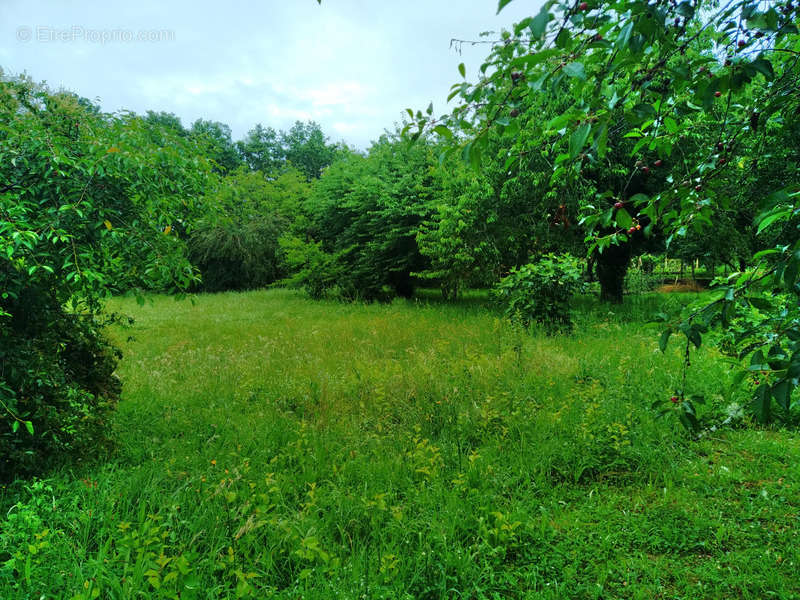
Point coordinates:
[[674, 399], [583, 6], [618, 205], [720, 146], [646, 170], [721, 161], [741, 43], [658, 163], [717, 94], [698, 187]]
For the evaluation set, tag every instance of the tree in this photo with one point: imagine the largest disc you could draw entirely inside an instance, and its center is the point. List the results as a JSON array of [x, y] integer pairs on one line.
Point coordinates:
[[261, 149], [215, 139], [307, 148], [492, 220], [659, 74], [88, 206], [363, 217], [235, 246]]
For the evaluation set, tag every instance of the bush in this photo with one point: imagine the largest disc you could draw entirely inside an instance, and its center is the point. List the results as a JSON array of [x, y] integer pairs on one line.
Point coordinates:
[[238, 256], [59, 375], [540, 292], [639, 281], [89, 206], [235, 246]]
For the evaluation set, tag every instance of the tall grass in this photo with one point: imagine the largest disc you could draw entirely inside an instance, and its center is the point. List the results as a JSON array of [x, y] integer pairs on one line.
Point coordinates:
[[271, 446]]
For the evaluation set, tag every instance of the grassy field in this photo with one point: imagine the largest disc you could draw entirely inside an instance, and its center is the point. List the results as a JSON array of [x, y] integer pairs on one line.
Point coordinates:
[[270, 446]]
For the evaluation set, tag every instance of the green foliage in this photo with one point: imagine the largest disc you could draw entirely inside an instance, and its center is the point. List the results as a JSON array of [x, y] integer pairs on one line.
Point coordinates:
[[236, 245], [540, 292], [680, 118], [306, 148], [261, 149], [365, 214], [58, 375], [303, 147], [215, 142], [89, 205]]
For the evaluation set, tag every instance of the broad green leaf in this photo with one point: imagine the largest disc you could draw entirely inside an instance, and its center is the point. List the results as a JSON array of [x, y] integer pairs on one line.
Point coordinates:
[[578, 139], [501, 5], [761, 404], [782, 392], [539, 23], [779, 213], [624, 219], [664, 340], [443, 131], [764, 66], [575, 69], [624, 35]]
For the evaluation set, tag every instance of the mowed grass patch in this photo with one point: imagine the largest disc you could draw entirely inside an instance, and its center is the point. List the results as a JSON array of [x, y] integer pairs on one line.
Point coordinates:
[[270, 446]]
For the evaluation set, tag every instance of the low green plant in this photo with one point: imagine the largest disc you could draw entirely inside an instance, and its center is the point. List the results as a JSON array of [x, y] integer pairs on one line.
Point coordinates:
[[270, 446], [540, 292]]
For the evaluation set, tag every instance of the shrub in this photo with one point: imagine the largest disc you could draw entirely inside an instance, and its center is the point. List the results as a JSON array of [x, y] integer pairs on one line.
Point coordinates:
[[87, 208], [235, 246], [238, 256], [540, 292], [59, 375]]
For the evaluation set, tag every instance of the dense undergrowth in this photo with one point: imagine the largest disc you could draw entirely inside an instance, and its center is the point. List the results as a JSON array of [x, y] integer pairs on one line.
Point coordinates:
[[269, 445]]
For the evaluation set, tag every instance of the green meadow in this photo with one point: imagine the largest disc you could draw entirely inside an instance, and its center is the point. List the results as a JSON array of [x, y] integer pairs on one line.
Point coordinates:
[[272, 446]]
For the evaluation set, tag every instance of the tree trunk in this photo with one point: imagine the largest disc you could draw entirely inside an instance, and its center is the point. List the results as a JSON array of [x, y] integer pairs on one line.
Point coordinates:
[[611, 266]]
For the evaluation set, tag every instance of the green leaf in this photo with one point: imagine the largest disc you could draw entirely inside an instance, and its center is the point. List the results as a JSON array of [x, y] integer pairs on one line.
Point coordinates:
[[763, 66], [695, 337], [539, 23], [624, 219], [760, 303], [462, 69], [575, 69], [578, 139], [29, 426], [761, 404], [782, 392], [767, 252], [778, 213], [758, 362], [501, 5], [664, 340], [624, 35], [443, 131], [791, 270]]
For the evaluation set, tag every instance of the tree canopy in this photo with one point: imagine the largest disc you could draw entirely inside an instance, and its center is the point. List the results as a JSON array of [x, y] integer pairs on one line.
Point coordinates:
[[685, 104]]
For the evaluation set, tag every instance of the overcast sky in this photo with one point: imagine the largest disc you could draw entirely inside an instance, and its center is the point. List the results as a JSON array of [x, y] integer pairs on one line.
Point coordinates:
[[351, 65]]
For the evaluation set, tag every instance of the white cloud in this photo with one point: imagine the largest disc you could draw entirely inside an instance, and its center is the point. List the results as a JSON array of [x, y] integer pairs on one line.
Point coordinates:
[[352, 65]]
